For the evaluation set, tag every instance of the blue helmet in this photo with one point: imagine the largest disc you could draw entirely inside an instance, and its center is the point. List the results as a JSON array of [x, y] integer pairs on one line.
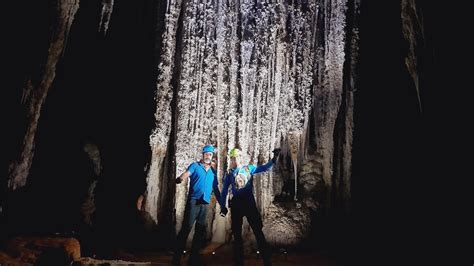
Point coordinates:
[[208, 148]]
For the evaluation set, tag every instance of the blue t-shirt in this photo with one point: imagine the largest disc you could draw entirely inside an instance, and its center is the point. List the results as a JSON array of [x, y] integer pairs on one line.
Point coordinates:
[[201, 182], [241, 179]]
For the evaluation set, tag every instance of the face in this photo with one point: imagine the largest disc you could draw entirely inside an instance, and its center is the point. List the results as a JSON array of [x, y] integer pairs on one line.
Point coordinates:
[[233, 162], [207, 157]]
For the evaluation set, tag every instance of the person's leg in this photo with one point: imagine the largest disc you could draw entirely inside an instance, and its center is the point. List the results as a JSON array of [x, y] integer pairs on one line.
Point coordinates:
[[236, 217], [199, 233], [255, 222], [190, 214]]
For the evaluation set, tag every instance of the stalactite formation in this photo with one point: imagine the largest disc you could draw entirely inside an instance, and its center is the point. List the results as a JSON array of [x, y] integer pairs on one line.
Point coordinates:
[[105, 15], [253, 75], [412, 26], [36, 90]]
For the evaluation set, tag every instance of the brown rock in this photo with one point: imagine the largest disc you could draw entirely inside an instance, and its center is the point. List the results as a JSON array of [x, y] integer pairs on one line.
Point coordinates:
[[41, 250]]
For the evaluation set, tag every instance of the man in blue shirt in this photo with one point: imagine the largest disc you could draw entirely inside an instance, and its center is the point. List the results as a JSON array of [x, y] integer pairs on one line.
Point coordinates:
[[240, 177], [203, 180]]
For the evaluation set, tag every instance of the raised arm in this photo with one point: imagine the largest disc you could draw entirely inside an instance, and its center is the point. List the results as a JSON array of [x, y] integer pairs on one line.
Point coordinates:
[[267, 166], [261, 168]]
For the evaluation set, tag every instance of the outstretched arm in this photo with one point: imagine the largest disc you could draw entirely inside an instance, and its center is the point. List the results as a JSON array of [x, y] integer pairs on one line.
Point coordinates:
[[267, 166], [184, 176], [261, 168]]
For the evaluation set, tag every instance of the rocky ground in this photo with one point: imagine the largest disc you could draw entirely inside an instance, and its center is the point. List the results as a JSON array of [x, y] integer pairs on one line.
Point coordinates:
[[66, 251]]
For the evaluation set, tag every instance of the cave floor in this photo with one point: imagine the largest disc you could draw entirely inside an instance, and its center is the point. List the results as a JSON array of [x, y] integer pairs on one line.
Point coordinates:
[[222, 256], [27, 252]]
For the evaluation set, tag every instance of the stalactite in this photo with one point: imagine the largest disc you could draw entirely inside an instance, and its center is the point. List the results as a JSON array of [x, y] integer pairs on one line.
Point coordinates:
[[412, 26], [36, 91], [107, 7], [164, 95], [328, 96], [349, 105]]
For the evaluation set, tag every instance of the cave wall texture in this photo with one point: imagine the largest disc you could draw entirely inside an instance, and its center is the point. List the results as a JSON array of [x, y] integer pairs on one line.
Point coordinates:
[[108, 101], [257, 75]]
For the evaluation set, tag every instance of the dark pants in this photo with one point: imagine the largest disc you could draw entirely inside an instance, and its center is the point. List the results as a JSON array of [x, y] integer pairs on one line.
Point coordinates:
[[239, 209], [195, 211]]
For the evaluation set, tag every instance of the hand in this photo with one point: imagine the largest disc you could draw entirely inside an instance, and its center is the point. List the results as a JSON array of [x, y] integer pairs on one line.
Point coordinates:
[[214, 164], [179, 180], [224, 211], [276, 153]]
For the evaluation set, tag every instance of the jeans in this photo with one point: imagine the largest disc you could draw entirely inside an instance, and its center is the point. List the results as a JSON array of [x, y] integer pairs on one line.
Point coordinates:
[[195, 211]]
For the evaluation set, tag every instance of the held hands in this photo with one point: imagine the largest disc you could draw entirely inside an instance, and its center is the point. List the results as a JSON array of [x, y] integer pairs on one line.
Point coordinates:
[[224, 211], [276, 153]]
